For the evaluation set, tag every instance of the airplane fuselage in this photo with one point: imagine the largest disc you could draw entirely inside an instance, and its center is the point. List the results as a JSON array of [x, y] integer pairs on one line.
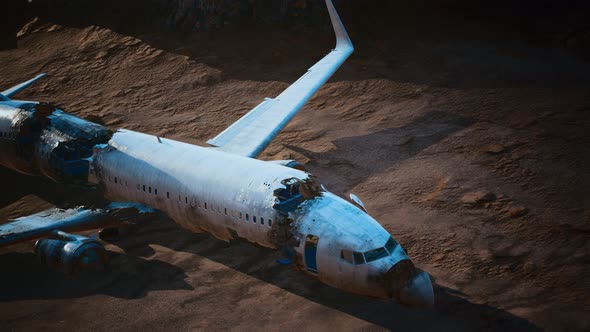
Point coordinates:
[[234, 197], [205, 189], [202, 189]]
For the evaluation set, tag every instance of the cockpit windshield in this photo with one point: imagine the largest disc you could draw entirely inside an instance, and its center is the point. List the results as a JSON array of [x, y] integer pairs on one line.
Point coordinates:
[[390, 245], [369, 256], [375, 254]]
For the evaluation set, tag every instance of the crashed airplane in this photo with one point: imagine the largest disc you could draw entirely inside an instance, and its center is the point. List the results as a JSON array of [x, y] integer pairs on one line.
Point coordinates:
[[221, 189]]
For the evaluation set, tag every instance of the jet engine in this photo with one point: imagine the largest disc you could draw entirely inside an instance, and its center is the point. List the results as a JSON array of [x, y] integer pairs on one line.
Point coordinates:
[[71, 253], [289, 163]]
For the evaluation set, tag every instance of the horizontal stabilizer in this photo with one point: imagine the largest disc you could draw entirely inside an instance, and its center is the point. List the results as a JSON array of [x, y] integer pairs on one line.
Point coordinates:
[[18, 88]]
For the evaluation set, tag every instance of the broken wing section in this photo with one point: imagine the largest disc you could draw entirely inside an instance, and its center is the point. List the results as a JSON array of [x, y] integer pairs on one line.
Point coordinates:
[[255, 130], [44, 224]]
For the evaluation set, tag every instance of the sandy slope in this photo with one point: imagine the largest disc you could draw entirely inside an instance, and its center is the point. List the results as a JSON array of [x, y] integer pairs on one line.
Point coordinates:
[[423, 128]]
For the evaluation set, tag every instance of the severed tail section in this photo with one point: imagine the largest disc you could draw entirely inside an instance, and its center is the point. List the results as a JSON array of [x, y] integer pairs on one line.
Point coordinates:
[[254, 131], [6, 94]]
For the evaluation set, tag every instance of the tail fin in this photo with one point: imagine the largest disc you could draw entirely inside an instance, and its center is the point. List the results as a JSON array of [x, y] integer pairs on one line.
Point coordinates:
[[6, 94]]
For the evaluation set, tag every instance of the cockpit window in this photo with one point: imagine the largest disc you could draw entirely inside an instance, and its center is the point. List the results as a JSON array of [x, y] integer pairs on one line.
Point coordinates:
[[346, 255], [390, 245], [369, 256], [358, 258], [375, 254]]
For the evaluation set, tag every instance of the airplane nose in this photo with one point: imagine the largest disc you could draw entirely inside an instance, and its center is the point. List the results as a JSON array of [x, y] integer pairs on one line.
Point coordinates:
[[418, 291], [409, 285]]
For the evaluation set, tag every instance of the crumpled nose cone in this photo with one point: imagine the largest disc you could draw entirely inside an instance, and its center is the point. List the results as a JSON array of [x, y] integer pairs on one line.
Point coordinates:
[[418, 291]]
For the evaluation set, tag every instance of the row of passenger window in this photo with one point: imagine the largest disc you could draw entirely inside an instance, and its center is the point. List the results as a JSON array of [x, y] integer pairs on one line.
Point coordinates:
[[195, 203], [355, 257]]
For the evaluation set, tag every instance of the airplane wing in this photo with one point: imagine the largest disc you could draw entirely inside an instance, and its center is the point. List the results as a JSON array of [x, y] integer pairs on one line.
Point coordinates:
[[18, 88], [45, 223], [255, 130]]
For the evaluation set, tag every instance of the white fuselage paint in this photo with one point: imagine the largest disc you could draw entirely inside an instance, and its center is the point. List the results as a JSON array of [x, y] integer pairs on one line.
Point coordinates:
[[202, 189], [206, 190]]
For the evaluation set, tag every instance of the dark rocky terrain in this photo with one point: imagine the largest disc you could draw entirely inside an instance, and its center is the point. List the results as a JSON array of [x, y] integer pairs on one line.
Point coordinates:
[[464, 130]]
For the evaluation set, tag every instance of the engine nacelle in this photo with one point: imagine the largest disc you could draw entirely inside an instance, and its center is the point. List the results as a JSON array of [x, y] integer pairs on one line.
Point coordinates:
[[289, 163], [71, 253]]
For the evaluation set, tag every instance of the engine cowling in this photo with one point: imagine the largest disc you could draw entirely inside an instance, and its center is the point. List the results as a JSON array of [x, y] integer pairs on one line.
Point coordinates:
[[289, 163], [71, 253]]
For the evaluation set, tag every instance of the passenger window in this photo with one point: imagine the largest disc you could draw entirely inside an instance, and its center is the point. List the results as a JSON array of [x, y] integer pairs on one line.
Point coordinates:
[[346, 255], [168, 194], [225, 211], [261, 221], [115, 179], [240, 215], [247, 217], [150, 190], [358, 258], [185, 200], [144, 187], [254, 219], [269, 222], [156, 191], [205, 205]]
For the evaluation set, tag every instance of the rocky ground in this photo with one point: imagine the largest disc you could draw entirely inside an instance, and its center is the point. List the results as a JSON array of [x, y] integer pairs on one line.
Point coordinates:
[[468, 143]]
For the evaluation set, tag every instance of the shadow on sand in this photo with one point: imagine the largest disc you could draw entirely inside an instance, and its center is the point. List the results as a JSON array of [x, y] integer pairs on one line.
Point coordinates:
[[24, 277], [356, 158], [131, 276], [456, 44]]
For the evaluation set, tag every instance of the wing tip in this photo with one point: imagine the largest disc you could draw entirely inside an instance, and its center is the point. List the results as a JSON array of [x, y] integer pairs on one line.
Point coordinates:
[[343, 41]]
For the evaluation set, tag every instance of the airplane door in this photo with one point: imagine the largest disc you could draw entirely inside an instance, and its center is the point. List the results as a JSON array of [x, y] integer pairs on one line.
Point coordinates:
[[311, 249]]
